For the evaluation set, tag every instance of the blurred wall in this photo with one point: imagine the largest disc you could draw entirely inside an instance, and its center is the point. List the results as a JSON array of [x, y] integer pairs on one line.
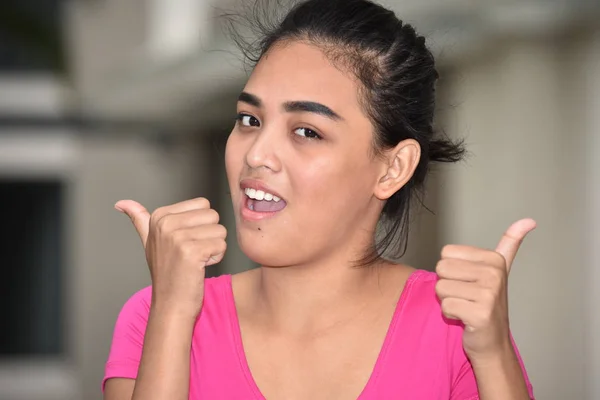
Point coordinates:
[[524, 109], [108, 263], [102, 36], [590, 218]]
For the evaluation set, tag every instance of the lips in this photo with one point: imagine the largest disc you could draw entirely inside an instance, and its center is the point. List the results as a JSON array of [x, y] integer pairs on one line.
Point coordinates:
[[259, 201], [258, 186]]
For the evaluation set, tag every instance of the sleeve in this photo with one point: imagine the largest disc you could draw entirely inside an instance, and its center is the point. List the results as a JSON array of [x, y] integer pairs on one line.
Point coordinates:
[[128, 338], [464, 386]]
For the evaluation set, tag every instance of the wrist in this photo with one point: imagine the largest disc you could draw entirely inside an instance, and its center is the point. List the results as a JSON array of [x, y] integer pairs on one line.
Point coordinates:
[[499, 376], [502, 356], [174, 313]]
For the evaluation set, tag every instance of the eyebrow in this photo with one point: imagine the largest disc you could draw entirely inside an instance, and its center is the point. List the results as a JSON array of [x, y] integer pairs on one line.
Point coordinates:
[[251, 99], [294, 106]]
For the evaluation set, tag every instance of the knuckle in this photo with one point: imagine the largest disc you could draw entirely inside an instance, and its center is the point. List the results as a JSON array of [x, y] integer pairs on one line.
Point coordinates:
[[212, 216], [156, 214], [441, 267], [221, 246], [164, 224], [215, 246], [202, 253], [494, 275], [497, 259], [447, 304], [208, 217], [178, 236], [440, 287], [203, 202], [212, 249], [221, 231], [447, 250]]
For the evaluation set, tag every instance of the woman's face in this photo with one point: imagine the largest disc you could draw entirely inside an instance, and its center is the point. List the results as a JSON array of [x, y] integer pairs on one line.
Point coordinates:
[[302, 138]]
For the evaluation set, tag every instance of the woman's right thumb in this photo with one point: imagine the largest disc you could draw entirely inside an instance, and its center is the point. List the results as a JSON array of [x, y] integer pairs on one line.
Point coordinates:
[[140, 217]]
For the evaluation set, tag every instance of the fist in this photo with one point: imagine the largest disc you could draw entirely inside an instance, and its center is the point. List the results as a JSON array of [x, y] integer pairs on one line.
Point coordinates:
[[472, 288], [179, 240]]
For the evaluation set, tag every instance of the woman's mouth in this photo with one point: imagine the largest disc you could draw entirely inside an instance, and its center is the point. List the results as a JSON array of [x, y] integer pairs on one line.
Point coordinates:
[[259, 204]]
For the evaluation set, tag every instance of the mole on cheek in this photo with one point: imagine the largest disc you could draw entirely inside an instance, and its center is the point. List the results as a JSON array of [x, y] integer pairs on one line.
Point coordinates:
[[259, 229]]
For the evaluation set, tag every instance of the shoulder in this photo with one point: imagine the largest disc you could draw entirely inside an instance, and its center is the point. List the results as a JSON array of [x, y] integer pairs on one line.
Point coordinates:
[[137, 305], [424, 335], [420, 298], [128, 336], [420, 309], [422, 278], [420, 289]]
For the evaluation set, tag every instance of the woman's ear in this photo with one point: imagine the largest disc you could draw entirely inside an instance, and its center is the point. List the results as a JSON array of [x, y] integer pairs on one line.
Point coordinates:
[[398, 166]]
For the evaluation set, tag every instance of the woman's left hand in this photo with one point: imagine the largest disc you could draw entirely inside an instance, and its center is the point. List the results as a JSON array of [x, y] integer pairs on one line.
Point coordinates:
[[473, 289]]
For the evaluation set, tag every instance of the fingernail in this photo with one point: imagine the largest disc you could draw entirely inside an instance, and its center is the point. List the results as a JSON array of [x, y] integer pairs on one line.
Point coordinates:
[[119, 208]]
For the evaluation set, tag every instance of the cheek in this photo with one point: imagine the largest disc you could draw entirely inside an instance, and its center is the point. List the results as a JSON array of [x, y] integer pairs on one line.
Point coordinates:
[[313, 181], [331, 186]]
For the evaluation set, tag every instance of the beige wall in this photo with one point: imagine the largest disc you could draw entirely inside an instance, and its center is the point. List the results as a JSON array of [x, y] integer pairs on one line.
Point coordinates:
[[520, 110], [590, 81], [103, 37], [108, 264]]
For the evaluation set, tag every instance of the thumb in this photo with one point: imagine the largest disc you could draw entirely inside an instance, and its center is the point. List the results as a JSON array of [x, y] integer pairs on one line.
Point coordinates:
[[140, 217], [512, 239]]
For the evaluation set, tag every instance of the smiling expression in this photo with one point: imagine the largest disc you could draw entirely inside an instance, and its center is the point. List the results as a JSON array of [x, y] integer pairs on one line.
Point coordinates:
[[302, 138]]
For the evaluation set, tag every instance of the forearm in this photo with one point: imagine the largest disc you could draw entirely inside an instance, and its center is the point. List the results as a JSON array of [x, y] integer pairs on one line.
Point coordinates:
[[164, 371], [501, 378]]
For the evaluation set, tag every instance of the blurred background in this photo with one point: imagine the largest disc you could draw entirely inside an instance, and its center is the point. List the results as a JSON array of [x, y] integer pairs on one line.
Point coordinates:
[[102, 100]]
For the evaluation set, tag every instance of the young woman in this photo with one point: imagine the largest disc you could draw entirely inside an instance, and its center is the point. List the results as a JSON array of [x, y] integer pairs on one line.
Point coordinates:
[[333, 137]]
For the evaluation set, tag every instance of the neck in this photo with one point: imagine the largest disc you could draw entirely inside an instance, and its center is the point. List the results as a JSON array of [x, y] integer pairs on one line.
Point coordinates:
[[306, 299]]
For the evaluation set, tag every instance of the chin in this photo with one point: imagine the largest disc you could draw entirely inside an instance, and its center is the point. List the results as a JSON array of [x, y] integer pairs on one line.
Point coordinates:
[[265, 251]]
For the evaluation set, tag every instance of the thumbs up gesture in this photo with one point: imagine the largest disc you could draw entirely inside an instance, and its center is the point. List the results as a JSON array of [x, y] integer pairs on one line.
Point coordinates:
[[179, 240], [472, 288]]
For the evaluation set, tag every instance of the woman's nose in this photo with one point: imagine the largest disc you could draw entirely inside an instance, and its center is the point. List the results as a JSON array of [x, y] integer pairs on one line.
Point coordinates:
[[263, 153]]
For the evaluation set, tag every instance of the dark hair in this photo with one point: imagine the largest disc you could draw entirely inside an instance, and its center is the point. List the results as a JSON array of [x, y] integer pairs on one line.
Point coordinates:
[[398, 77]]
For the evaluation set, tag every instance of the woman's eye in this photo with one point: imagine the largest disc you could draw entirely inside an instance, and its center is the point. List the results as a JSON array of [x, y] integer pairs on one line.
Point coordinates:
[[307, 133], [247, 120]]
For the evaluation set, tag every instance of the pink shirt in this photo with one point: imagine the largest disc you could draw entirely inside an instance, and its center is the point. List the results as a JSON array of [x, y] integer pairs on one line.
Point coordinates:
[[421, 359]]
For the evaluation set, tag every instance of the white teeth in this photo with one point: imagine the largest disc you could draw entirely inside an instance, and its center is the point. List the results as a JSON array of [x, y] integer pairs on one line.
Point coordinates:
[[261, 195]]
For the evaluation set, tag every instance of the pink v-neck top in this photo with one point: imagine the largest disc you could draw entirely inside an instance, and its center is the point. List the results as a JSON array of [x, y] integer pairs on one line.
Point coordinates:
[[422, 357]]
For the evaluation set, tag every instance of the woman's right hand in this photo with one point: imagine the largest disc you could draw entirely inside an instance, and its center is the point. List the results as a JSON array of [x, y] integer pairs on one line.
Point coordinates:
[[180, 240]]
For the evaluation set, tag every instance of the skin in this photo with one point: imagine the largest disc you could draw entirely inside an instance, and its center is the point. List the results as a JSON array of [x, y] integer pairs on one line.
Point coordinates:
[[312, 324]]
